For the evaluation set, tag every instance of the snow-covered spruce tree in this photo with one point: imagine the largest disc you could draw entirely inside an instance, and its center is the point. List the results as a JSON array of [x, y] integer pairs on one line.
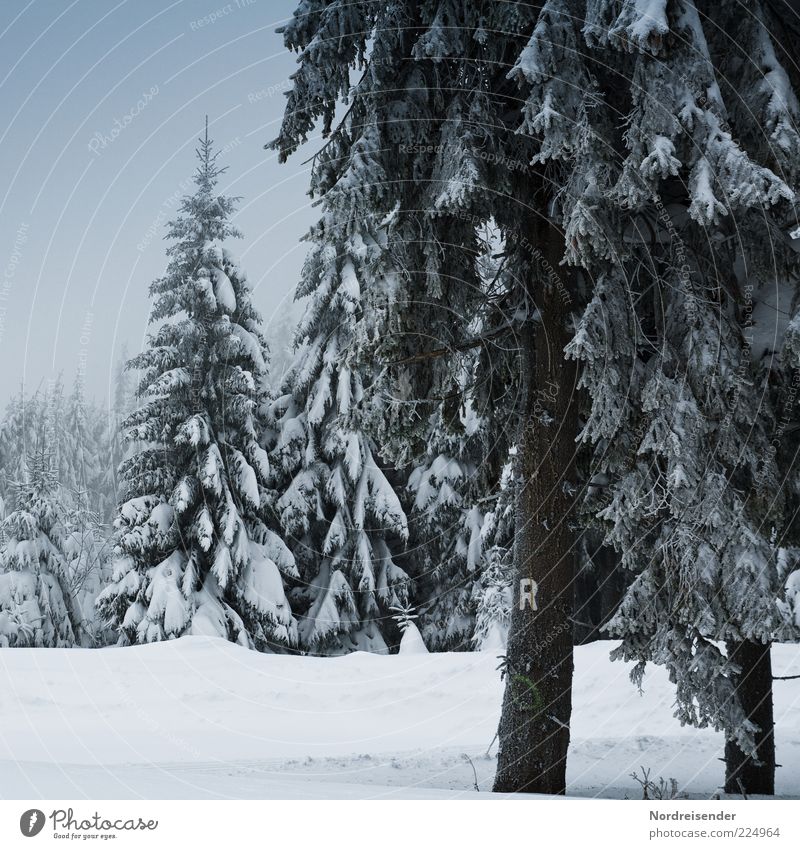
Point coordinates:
[[339, 504], [73, 480], [656, 401], [37, 603], [338, 510], [411, 641], [194, 552]]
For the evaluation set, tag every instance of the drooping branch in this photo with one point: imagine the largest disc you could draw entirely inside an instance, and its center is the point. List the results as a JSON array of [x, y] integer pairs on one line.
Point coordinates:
[[452, 349]]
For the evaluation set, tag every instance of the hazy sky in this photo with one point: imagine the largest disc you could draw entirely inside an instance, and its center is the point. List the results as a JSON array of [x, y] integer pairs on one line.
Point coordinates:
[[102, 103]]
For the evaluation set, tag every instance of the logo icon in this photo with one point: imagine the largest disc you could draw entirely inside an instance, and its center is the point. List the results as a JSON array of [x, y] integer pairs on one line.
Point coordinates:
[[31, 822]]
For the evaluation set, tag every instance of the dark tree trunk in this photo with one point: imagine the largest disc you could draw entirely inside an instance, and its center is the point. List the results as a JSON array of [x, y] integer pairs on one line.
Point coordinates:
[[754, 688], [537, 705]]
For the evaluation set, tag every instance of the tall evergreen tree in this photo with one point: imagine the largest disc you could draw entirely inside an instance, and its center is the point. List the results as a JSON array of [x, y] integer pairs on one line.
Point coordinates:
[[600, 138], [682, 222], [340, 505], [194, 550], [433, 105]]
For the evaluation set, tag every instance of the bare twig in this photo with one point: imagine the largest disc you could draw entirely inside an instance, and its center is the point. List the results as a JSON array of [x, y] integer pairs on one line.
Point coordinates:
[[474, 771]]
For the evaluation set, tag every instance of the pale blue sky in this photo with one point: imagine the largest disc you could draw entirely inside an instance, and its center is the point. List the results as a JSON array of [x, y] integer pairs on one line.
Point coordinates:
[[82, 207]]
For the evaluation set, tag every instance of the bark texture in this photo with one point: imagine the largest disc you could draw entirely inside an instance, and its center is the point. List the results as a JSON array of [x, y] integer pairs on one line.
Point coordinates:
[[537, 705], [744, 774]]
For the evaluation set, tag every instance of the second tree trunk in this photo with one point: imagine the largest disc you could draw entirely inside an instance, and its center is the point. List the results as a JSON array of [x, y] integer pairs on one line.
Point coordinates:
[[744, 774]]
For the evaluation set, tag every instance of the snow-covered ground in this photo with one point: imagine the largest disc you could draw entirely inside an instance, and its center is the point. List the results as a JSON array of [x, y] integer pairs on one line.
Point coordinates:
[[203, 718]]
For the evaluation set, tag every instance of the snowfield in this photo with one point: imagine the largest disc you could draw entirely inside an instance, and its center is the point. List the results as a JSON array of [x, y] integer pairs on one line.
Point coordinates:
[[203, 718]]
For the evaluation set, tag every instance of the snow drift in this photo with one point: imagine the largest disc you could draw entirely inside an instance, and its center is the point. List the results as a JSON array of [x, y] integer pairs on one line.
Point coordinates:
[[202, 717]]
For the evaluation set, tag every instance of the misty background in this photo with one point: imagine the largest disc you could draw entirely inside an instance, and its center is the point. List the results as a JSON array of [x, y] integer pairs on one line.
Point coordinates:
[[103, 103]]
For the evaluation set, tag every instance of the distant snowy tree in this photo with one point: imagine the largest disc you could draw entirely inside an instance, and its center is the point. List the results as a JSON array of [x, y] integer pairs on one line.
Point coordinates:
[[68, 424], [17, 441], [194, 550], [111, 443], [492, 594], [281, 331], [87, 553], [79, 448], [37, 603], [411, 641], [446, 524]]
